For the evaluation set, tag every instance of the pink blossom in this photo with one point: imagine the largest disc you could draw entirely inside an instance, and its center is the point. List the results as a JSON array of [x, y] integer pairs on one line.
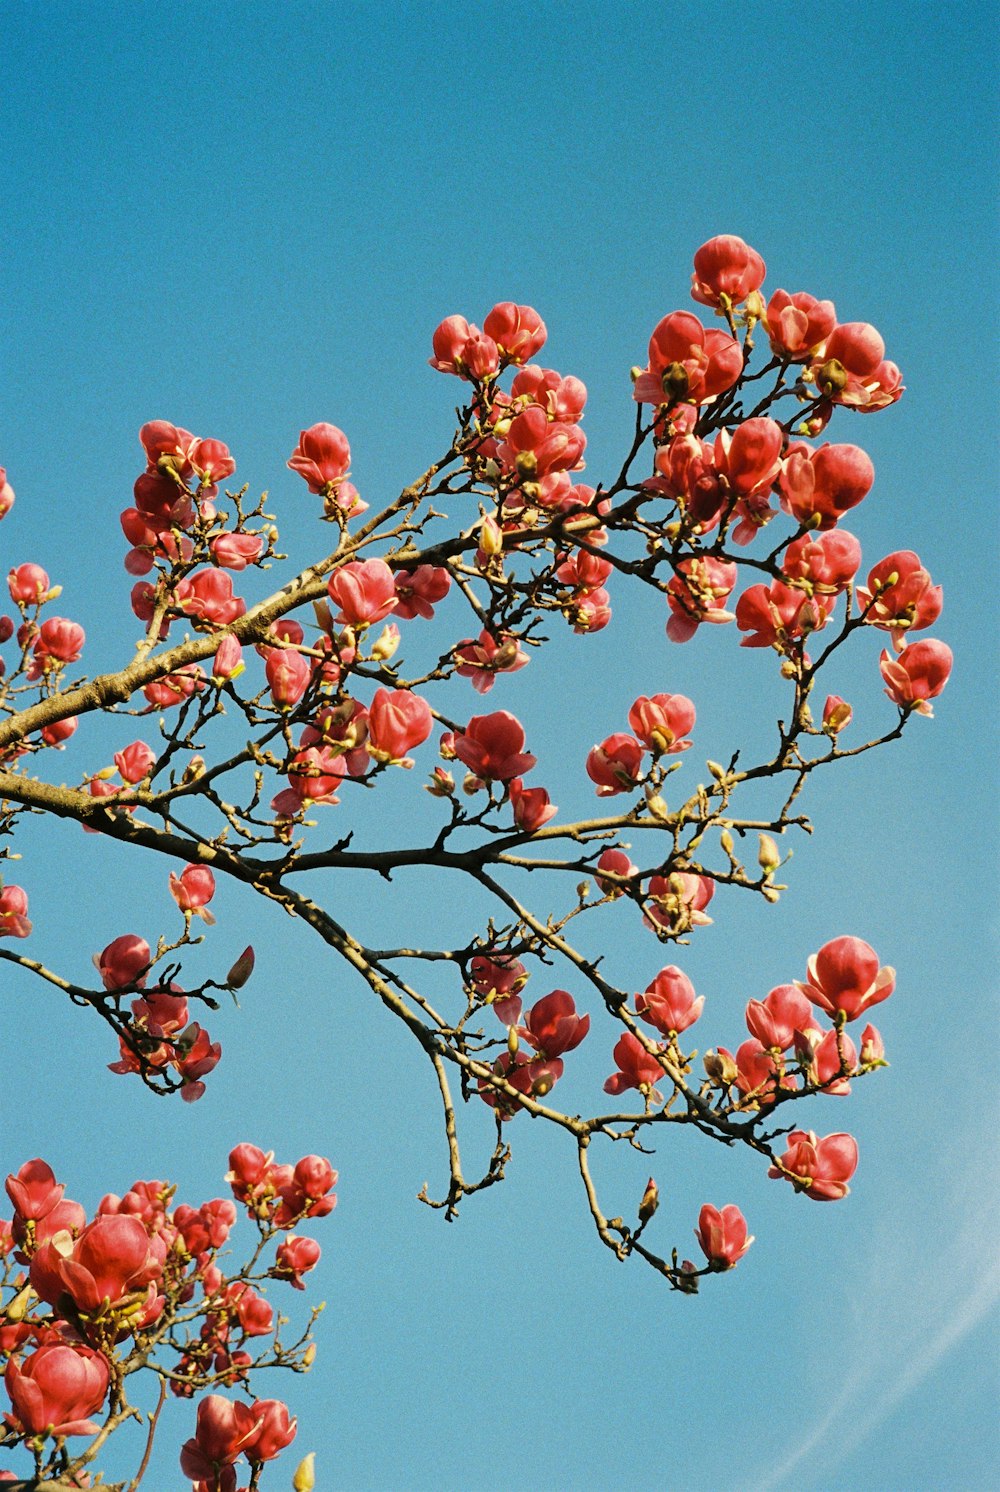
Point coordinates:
[[825, 1066], [776, 1021], [167, 445], [552, 1025], [56, 1389], [112, 1259], [294, 1258], [798, 324], [694, 595], [236, 551], [847, 368], [462, 349], [6, 494], [637, 1068], [497, 978], [662, 722], [28, 585], [322, 457], [135, 762], [518, 331], [670, 1003], [819, 1167], [59, 641], [14, 922], [561, 398], [844, 978], [481, 661], [824, 563], [59, 731], [687, 363], [780, 616], [289, 674], [228, 663], [364, 591], [836, 715], [677, 902], [722, 1235], [34, 1191], [173, 688], [418, 591], [536, 446], [819, 486], [398, 720], [210, 461], [531, 805], [617, 863], [616, 764], [899, 597], [726, 270], [491, 746], [759, 1073], [275, 1432], [124, 962], [208, 597], [193, 889], [314, 775], [224, 1428]]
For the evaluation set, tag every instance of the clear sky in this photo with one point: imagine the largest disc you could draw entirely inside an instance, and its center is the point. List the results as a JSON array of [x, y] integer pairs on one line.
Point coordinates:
[[246, 218]]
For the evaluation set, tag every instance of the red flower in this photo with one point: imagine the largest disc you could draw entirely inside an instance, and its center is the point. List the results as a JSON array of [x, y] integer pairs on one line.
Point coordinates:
[[722, 1235]]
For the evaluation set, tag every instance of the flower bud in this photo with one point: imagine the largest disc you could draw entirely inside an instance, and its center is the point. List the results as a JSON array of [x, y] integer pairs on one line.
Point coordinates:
[[241, 970], [768, 855], [491, 538], [720, 1067], [726, 841], [650, 1201], [386, 643], [304, 1479], [513, 1041]]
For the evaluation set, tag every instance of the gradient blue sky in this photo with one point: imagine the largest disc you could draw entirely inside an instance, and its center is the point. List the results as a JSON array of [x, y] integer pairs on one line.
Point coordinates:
[[247, 218]]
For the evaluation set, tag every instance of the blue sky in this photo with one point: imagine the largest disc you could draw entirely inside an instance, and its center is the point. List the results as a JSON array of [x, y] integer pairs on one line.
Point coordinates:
[[248, 218]]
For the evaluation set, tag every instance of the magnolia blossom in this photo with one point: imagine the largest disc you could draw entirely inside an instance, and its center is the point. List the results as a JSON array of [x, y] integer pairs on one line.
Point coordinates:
[[398, 720], [552, 1025], [491, 746], [518, 331], [677, 902], [14, 921], [637, 1068], [670, 1003], [322, 457], [797, 325], [687, 363], [364, 591], [722, 1235], [616, 764], [899, 597], [662, 722], [819, 1167], [57, 1389], [616, 863], [193, 889], [481, 661], [844, 978], [531, 805], [726, 270]]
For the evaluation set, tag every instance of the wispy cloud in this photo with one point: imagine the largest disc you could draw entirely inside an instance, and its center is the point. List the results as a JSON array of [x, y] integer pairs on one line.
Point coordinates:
[[905, 1347]]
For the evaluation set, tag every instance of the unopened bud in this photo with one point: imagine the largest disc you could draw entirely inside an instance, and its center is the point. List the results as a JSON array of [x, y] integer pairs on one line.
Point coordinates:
[[52, 594], [513, 1041], [788, 669], [717, 770], [491, 538], [17, 1309], [770, 893], [324, 616], [657, 806], [506, 654], [768, 855], [650, 1201], [441, 785], [721, 1068], [583, 890], [309, 1355], [105, 774], [241, 970], [831, 378], [472, 784], [386, 643], [304, 1479], [726, 841]]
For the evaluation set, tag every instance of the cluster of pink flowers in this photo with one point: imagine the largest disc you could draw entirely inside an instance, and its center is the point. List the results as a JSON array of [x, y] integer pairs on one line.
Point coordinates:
[[108, 1279], [550, 1028]]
